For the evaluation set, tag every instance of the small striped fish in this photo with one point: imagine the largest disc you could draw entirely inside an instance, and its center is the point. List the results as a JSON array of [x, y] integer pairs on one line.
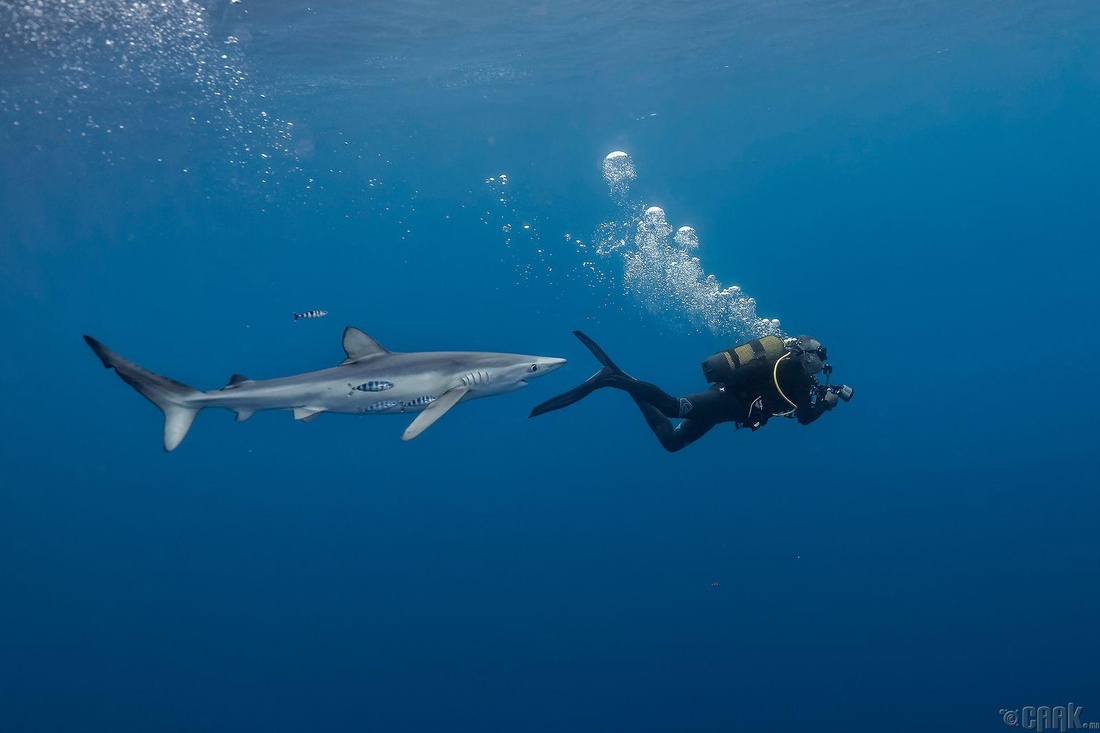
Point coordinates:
[[421, 401], [375, 385], [382, 405], [311, 314]]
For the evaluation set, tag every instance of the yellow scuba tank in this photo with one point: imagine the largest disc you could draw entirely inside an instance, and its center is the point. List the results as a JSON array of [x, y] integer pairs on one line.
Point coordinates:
[[721, 366]]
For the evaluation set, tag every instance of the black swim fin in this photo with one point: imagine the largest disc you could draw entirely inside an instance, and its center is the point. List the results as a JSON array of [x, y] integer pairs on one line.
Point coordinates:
[[578, 393], [600, 379], [599, 353]]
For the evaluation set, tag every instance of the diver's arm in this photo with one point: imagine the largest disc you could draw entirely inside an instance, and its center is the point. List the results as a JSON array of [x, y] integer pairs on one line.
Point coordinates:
[[809, 413], [810, 409], [827, 399]]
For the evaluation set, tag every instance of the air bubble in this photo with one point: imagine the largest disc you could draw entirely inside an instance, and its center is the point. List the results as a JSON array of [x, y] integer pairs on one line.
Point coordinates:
[[687, 238], [660, 270], [619, 172], [118, 54]]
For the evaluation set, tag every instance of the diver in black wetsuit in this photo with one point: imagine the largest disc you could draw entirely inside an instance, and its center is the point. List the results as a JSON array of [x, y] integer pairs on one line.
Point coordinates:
[[752, 383]]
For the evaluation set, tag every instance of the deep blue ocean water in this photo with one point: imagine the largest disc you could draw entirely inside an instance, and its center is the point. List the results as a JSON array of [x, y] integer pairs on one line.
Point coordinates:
[[914, 183]]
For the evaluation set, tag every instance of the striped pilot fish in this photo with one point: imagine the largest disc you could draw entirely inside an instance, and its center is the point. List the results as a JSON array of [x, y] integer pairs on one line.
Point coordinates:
[[382, 405], [375, 385], [311, 314], [421, 401]]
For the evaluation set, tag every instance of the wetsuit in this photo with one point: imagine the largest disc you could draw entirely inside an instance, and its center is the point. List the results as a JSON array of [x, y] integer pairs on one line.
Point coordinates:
[[749, 398]]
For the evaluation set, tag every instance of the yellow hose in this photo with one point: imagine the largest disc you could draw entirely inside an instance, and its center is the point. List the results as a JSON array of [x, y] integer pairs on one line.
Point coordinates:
[[775, 378]]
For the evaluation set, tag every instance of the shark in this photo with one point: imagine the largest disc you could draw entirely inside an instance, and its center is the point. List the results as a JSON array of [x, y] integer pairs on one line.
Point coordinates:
[[372, 380]]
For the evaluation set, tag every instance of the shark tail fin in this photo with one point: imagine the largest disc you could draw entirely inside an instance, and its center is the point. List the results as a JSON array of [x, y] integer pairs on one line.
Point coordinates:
[[173, 398]]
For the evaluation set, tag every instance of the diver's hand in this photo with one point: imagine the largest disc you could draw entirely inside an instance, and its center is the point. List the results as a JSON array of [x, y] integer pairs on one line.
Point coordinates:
[[833, 395]]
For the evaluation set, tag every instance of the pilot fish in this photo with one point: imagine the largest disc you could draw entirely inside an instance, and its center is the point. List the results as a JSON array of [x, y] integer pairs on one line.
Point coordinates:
[[311, 314], [375, 385], [421, 401]]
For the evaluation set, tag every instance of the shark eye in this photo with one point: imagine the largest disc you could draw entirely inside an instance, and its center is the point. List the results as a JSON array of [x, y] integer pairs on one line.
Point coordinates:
[[534, 367]]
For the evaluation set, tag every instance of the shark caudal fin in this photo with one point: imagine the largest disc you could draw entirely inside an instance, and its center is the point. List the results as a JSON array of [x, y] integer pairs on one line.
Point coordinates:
[[172, 397]]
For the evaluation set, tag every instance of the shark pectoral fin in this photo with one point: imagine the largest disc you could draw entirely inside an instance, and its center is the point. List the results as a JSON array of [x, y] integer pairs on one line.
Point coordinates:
[[434, 411], [305, 414], [244, 414]]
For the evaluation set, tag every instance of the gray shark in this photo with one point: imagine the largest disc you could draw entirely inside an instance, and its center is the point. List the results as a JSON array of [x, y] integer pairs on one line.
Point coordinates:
[[370, 381]]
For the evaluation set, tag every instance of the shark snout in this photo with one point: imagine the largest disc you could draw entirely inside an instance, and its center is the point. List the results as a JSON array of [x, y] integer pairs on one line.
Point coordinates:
[[552, 363]]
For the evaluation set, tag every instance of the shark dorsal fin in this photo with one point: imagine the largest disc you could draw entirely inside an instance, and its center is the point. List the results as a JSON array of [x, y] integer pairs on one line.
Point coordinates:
[[236, 380], [358, 345]]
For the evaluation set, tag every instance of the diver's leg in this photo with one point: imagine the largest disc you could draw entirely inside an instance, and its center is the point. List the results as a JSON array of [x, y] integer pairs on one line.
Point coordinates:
[[701, 412], [668, 405], [612, 376], [706, 406], [672, 438], [712, 405]]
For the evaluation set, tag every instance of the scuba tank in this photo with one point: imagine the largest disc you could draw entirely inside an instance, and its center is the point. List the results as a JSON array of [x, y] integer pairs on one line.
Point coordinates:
[[721, 366]]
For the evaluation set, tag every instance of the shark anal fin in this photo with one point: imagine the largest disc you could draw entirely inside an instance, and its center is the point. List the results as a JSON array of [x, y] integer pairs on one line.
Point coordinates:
[[358, 346], [236, 381], [305, 414], [243, 414], [434, 411]]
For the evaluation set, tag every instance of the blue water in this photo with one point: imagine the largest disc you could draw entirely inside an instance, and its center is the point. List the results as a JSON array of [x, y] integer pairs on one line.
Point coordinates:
[[914, 183]]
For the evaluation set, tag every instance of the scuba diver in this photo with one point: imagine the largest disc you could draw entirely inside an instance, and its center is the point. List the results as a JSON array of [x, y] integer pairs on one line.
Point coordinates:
[[750, 384]]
